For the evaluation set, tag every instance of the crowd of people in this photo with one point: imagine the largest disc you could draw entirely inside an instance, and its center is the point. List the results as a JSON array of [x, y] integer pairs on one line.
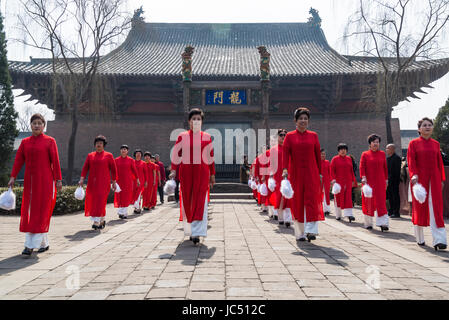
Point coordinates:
[[294, 181]]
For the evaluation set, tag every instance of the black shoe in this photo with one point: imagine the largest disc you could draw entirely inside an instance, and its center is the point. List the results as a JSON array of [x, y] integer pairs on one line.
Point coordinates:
[[95, 227], [301, 239], [147, 209], [138, 211], [421, 244], [383, 228], [281, 223], [43, 249], [287, 224], [338, 219], [369, 228], [327, 213], [351, 219], [276, 218], [440, 246], [27, 251], [195, 240], [310, 237], [102, 225], [395, 216]]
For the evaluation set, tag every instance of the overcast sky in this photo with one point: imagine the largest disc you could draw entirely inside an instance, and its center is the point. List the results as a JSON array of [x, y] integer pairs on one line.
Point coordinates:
[[334, 14]]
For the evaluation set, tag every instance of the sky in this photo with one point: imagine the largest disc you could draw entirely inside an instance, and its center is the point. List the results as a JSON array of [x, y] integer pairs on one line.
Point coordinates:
[[334, 15]]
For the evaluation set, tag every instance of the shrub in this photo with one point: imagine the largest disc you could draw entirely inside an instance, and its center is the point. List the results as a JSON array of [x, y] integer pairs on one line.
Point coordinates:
[[65, 201]]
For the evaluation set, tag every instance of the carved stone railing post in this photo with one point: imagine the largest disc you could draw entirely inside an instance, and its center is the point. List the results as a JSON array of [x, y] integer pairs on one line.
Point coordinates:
[[265, 82], [187, 80]]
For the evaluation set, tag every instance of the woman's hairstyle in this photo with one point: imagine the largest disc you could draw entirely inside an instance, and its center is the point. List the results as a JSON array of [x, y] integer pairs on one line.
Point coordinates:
[[136, 151], [196, 111], [147, 153], [37, 116], [342, 146], [373, 137], [322, 150], [420, 122], [101, 138], [282, 131], [124, 146], [300, 111]]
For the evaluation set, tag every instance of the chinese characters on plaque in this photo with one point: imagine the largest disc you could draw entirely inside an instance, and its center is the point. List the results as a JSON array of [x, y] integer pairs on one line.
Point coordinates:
[[226, 97]]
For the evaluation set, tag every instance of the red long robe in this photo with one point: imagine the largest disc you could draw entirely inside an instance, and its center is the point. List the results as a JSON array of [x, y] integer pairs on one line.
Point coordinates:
[[263, 174], [373, 166], [126, 174], [276, 168], [302, 156], [342, 171], [155, 189], [42, 169], [253, 173], [424, 160], [194, 154], [101, 168], [148, 191], [326, 181], [142, 173]]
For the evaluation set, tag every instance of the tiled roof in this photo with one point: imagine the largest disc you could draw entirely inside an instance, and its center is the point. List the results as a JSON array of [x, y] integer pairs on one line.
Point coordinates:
[[227, 51]]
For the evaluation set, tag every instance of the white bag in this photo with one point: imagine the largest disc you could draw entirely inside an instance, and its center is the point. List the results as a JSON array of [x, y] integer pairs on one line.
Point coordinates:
[[170, 187], [286, 189], [271, 184], [420, 193], [336, 188], [117, 188], [367, 191], [263, 190], [253, 185], [8, 200], [79, 193], [250, 183]]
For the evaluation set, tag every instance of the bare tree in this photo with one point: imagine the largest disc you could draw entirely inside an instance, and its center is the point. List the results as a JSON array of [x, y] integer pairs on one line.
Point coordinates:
[[398, 33], [74, 33]]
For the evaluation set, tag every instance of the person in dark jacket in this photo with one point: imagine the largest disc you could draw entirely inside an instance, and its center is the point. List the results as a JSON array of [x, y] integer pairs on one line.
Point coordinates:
[[394, 179]]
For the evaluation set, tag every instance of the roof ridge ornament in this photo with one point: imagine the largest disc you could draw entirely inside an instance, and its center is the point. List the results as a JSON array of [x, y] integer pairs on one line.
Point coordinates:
[[137, 18], [315, 19], [187, 64]]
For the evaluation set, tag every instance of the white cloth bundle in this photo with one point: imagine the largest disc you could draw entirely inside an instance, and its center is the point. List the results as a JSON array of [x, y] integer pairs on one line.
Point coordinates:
[[367, 191], [117, 188], [336, 188], [253, 185], [286, 189], [271, 184], [250, 183], [170, 187], [79, 193], [8, 200], [420, 193], [263, 190]]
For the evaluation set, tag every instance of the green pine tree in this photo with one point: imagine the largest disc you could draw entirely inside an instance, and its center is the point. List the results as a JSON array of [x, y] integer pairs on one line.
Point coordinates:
[[8, 115], [441, 128]]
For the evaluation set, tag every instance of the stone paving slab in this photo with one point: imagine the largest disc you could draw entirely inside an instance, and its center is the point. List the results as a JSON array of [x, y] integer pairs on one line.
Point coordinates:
[[245, 256]]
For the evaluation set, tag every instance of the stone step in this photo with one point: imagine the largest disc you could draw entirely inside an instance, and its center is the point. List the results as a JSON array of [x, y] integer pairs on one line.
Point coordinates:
[[229, 187], [233, 196]]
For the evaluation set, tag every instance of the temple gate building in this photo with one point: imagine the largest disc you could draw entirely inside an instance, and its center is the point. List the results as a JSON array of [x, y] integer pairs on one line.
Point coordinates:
[[243, 75]]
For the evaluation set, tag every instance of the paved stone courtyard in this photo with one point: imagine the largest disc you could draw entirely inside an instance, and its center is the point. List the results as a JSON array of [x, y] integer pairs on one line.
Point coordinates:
[[245, 256]]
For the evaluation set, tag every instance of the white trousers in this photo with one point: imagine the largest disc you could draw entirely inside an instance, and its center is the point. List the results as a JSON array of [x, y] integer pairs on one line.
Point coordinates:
[[196, 228], [345, 212], [36, 240], [438, 234], [97, 219], [123, 211], [326, 207], [137, 205], [301, 229], [380, 221]]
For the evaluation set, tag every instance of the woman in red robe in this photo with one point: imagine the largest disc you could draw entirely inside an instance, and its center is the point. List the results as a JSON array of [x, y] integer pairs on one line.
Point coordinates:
[[342, 172], [325, 183], [280, 204], [253, 177], [126, 174], [151, 185], [302, 165], [142, 173], [193, 152], [39, 153], [158, 183], [374, 173], [100, 166], [425, 165]]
